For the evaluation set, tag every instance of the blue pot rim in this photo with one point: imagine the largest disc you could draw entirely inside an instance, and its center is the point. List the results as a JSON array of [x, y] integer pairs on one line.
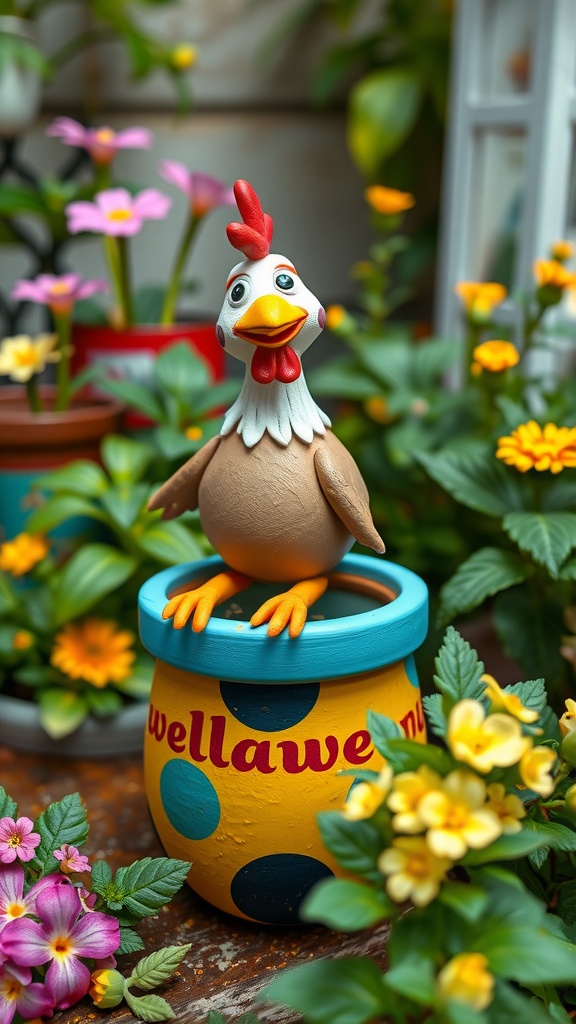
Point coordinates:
[[331, 648]]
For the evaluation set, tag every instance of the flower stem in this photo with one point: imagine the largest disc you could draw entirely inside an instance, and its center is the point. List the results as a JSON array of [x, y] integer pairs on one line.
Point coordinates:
[[124, 264], [33, 394], [173, 291], [116, 256], [63, 325]]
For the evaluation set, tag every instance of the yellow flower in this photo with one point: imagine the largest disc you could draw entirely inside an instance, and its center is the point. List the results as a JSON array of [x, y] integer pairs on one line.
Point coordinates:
[[507, 701], [457, 817], [561, 251], [535, 770], [496, 355], [408, 788], [414, 872], [531, 447], [388, 201], [335, 316], [94, 650], [19, 555], [570, 798], [568, 721], [376, 408], [106, 988], [22, 640], [480, 297], [484, 742], [22, 356], [183, 56], [366, 797], [194, 433], [466, 979], [553, 273], [506, 806]]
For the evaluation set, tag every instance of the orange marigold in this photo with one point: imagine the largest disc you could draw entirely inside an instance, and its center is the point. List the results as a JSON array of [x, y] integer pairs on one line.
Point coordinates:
[[388, 201], [496, 355], [19, 555], [553, 273], [531, 447], [480, 297], [561, 250], [94, 650]]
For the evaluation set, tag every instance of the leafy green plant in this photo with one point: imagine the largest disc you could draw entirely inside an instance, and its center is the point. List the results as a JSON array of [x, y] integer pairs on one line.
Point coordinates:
[[478, 831], [40, 862]]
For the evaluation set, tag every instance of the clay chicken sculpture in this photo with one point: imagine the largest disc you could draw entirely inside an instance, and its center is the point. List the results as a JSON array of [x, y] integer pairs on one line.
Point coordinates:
[[280, 498]]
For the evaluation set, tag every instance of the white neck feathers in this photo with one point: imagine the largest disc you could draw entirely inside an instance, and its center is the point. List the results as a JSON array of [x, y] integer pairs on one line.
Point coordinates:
[[280, 409]]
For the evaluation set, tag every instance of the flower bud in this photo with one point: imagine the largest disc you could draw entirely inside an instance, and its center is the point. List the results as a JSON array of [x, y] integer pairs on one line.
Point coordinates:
[[568, 748], [106, 988]]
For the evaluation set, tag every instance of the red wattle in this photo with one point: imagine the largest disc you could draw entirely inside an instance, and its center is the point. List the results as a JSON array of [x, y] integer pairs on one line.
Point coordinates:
[[287, 365], [263, 365]]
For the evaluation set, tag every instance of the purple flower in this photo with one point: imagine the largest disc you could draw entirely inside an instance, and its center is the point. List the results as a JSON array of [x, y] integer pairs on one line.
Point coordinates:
[[101, 143], [14, 902], [202, 190], [62, 935], [19, 994], [17, 840], [116, 212], [71, 859], [59, 293]]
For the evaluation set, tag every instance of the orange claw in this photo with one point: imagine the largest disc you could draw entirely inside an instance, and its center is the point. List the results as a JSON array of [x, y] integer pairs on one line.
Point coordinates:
[[201, 602], [290, 608]]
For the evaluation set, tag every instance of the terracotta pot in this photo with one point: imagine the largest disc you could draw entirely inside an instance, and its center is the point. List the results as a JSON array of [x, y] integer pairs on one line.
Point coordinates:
[[33, 443], [130, 353], [247, 733]]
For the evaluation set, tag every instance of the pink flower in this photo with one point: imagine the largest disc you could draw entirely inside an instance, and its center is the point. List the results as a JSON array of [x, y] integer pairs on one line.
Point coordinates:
[[19, 994], [203, 191], [101, 143], [87, 899], [59, 293], [62, 935], [14, 902], [71, 859], [116, 212], [17, 840]]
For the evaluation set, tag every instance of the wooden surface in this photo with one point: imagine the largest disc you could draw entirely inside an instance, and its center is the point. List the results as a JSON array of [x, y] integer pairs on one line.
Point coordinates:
[[231, 960]]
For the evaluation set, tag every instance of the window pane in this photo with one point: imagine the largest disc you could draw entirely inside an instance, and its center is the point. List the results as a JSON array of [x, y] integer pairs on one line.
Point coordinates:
[[499, 165], [507, 46]]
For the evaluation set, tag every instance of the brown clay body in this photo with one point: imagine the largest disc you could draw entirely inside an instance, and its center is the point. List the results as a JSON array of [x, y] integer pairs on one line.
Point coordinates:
[[264, 511]]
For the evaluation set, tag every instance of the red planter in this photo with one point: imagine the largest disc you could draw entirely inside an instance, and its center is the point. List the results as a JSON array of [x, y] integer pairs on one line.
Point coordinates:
[[130, 352]]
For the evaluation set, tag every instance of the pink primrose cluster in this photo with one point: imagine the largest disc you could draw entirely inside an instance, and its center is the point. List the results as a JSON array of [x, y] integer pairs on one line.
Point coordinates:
[[50, 925]]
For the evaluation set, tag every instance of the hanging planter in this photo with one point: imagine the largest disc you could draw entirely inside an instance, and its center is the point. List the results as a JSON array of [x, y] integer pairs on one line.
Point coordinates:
[[32, 443], [247, 733]]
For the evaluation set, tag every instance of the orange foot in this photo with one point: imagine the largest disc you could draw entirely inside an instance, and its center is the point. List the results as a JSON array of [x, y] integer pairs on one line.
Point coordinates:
[[291, 608], [202, 601]]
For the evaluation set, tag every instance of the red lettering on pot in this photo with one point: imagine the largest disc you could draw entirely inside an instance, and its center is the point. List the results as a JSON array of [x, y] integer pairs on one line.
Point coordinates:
[[413, 722], [355, 746], [217, 741], [156, 723], [312, 758], [176, 734], [260, 756], [196, 728]]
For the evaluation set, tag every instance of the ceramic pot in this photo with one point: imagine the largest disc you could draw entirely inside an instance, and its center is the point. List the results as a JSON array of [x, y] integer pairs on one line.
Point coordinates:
[[33, 443], [20, 86], [130, 353], [246, 733], [96, 738]]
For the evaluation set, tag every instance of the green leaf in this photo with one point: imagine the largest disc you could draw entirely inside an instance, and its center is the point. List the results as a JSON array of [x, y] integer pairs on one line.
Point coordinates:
[[138, 683], [148, 884], [482, 485], [356, 845], [415, 978], [156, 968], [180, 371], [566, 901], [149, 1008], [58, 510], [125, 459], [124, 504], [383, 729], [520, 844], [16, 199], [104, 703], [101, 876], [532, 956], [532, 693], [531, 632], [390, 360], [548, 538], [342, 379], [383, 107], [62, 822], [349, 990], [486, 572], [469, 901], [560, 494], [61, 711], [554, 835], [82, 477], [8, 806], [458, 669], [170, 543], [435, 716], [130, 941], [92, 572], [136, 396], [345, 905]]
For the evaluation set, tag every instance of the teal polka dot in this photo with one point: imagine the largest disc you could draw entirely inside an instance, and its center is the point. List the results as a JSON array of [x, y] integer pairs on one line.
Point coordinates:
[[410, 666], [190, 801]]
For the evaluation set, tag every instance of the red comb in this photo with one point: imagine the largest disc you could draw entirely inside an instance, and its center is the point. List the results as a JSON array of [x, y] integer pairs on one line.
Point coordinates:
[[254, 236]]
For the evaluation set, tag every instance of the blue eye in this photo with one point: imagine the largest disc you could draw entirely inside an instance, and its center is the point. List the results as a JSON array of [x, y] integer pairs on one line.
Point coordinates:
[[285, 282]]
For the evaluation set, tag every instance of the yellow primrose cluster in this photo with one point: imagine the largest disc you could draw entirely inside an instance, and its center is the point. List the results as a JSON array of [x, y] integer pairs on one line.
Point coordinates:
[[437, 819]]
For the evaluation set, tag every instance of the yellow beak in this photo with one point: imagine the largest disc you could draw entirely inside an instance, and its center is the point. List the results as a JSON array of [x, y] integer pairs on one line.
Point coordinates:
[[271, 321]]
